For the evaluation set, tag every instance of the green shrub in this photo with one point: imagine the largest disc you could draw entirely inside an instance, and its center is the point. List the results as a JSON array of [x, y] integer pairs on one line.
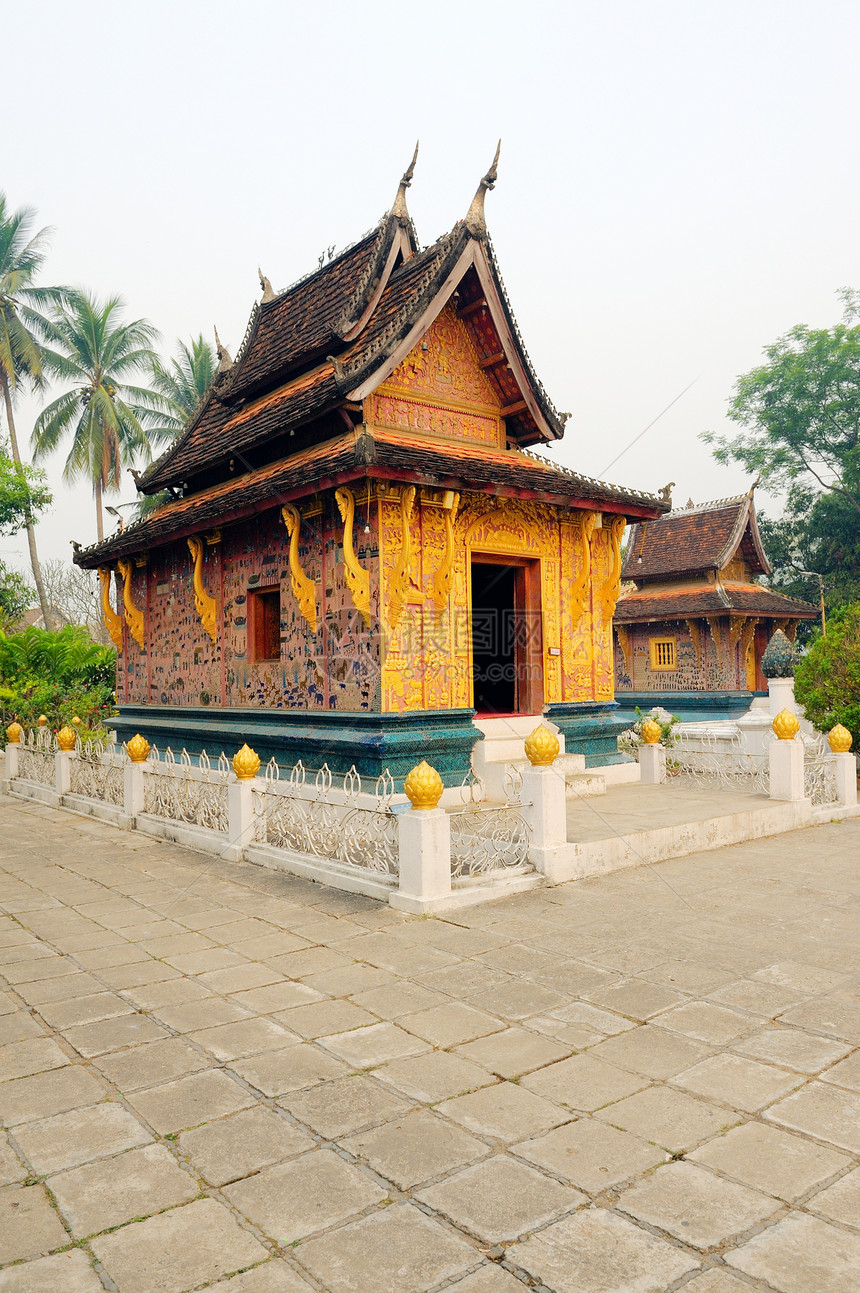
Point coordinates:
[[827, 680], [61, 675]]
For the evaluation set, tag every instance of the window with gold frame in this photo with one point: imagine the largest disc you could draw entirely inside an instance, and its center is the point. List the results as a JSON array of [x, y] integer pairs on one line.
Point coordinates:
[[664, 653]]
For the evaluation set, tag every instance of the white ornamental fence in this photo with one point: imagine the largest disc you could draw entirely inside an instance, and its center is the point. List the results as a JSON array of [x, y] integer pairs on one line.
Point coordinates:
[[785, 765], [357, 834]]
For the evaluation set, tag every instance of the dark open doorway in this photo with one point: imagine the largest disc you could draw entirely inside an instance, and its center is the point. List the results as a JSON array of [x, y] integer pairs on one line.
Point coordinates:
[[506, 639]]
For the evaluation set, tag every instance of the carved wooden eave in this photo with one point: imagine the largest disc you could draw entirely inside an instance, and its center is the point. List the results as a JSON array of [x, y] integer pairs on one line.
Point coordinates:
[[467, 252]]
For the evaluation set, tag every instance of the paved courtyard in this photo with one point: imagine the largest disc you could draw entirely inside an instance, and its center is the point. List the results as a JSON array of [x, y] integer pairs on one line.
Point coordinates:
[[214, 1076]]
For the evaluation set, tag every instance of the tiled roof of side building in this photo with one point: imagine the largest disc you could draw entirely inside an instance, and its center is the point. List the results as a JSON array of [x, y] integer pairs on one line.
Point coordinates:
[[719, 599], [386, 455], [695, 539]]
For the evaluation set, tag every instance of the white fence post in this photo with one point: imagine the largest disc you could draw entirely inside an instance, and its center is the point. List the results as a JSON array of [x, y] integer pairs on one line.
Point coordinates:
[[240, 799], [424, 844], [11, 770], [785, 758], [846, 779], [137, 750], [545, 807], [66, 738], [652, 764]]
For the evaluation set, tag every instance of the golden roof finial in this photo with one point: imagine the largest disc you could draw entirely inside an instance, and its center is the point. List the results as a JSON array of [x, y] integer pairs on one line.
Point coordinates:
[[754, 486], [476, 221], [399, 208], [225, 363], [268, 290]]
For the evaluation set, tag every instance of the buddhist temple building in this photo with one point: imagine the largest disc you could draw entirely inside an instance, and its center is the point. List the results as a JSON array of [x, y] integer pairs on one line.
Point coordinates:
[[359, 551], [692, 618]]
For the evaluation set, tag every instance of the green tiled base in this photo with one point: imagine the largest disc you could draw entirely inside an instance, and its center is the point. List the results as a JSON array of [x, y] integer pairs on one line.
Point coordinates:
[[591, 729], [373, 742]]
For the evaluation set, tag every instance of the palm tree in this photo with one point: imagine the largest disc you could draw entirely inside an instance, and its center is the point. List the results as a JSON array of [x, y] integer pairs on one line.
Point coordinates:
[[112, 422], [183, 383], [185, 380], [21, 306]]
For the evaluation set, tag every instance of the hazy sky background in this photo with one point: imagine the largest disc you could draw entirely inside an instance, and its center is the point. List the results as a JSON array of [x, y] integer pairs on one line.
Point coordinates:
[[679, 183]]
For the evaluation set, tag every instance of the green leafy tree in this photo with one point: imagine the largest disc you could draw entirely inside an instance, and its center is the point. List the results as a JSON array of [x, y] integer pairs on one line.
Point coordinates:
[[22, 305], [827, 680], [23, 493], [800, 412], [110, 418], [16, 596]]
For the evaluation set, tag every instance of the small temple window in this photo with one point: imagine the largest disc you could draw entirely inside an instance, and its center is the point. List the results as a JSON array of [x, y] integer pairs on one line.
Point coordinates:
[[264, 624], [664, 653]]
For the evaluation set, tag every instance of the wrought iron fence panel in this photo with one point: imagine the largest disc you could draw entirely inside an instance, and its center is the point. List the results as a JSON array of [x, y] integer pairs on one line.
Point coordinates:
[[36, 756], [306, 819], [819, 772], [489, 838], [94, 776], [183, 793], [708, 761]]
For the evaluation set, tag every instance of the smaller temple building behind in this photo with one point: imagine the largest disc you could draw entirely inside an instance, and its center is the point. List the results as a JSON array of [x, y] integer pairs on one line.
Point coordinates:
[[692, 618]]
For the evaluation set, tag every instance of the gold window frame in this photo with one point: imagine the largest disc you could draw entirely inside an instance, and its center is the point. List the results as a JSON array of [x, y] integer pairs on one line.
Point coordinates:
[[655, 645]]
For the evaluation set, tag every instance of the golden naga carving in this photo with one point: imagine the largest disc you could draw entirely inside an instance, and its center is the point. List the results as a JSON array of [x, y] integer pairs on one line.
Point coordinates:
[[441, 587], [695, 631], [133, 614], [714, 624], [304, 589], [626, 643], [400, 576], [747, 638], [205, 606], [612, 587], [580, 586], [357, 579], [112, 621]]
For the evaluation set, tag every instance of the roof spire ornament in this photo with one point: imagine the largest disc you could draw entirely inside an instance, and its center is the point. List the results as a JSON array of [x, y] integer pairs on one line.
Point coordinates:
[[268, 290], [225, 363], [399, 208], [476, 221]]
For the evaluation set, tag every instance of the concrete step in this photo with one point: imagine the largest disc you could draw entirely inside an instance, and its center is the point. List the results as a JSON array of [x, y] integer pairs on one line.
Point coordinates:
[[585, 785]]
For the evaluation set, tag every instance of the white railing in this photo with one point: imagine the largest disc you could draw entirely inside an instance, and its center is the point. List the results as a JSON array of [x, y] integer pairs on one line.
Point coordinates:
[[348, 825], [96, 773], [819, 772], [36, 756], [182, 791], [709, 760], [487, 838]]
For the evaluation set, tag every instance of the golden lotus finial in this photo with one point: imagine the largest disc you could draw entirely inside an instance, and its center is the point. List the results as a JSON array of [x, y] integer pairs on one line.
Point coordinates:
[[542, 747], [839, 739], [246, 763], [42, 720], [137, 749], [14, 733], [76, 722], [650, 731], [66, 738], [786, 725], [423, 786]]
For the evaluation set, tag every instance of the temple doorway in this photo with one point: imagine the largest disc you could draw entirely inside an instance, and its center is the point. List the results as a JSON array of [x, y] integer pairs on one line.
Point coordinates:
[[507, 670]]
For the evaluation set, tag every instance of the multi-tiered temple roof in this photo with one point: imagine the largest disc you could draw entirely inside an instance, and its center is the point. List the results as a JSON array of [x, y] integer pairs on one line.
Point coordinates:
[[285, 418], [702, 559]]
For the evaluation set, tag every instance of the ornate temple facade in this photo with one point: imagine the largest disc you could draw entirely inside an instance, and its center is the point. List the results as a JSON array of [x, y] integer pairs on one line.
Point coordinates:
[[359, 551], [693, 618]]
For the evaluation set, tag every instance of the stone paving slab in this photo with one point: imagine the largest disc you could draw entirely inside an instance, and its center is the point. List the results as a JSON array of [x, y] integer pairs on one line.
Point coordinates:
[[214, 1076]]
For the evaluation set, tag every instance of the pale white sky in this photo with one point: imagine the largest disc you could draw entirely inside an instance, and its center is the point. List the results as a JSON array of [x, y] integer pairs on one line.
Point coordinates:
[[678, 182]]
